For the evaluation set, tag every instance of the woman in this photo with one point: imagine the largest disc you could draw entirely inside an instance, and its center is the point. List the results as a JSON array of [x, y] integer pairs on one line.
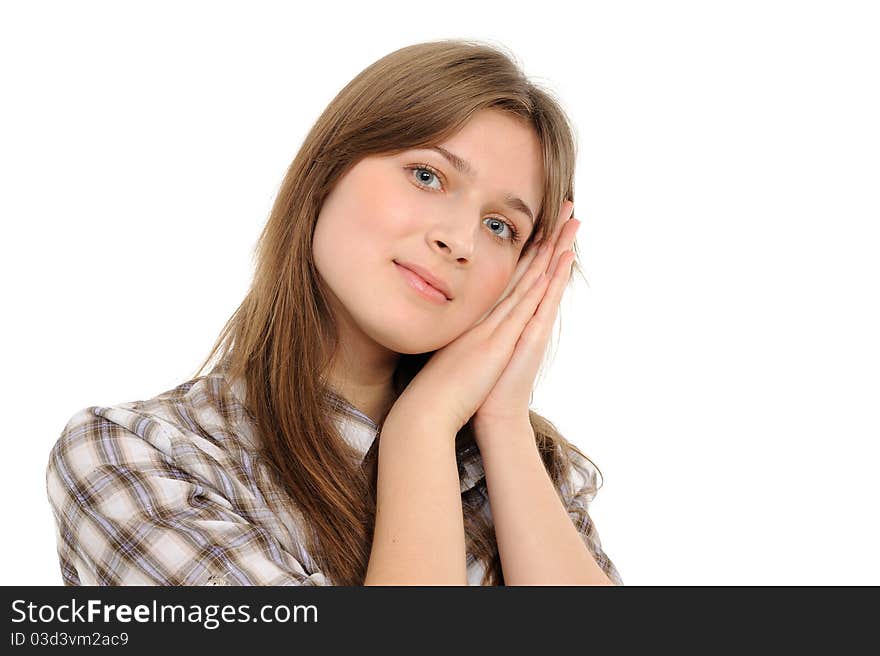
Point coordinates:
[[370, 397]]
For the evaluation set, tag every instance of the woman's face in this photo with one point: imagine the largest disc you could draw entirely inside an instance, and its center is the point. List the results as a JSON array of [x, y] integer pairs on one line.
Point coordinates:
[[459, 227]]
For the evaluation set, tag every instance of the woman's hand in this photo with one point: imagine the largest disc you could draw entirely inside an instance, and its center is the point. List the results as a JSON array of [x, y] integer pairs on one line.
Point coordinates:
[[508, 402], [458, 378]]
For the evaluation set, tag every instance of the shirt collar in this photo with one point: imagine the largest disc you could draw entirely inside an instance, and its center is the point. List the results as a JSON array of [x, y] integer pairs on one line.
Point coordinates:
[[360, 431]]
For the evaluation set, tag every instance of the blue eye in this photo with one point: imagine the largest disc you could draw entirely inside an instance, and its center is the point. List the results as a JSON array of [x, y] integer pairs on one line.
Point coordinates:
[[422, 169], [514, 236]]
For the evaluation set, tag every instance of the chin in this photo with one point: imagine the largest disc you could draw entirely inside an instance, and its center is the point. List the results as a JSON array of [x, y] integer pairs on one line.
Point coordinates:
[[414, 347], [407, 342]]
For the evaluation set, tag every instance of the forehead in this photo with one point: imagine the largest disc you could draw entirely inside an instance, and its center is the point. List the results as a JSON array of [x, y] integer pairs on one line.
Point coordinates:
[[499, 154], [501, 149]]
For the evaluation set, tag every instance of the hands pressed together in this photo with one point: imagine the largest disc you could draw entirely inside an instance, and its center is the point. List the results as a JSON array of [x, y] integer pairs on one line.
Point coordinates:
[[488, 372]]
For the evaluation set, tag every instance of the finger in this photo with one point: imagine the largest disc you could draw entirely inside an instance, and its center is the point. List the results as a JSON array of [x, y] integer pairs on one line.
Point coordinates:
[[564, 241], [535, 268], [538, 265], [526, 271], [532, 273], [521, 267], [536, 313], [545, 315], [536, 333], [565, 213], [526, 261], [509, 330]]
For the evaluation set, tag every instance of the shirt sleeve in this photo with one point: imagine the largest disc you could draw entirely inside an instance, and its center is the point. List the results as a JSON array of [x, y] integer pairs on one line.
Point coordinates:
[[578, 490], [127, 513]]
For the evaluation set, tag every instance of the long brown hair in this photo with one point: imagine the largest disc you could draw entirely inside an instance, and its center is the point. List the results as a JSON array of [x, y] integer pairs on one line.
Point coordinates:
[[416, 96]]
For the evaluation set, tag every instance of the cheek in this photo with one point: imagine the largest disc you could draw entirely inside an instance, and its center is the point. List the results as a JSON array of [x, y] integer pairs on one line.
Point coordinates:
[[377, 205], [488, 298], [498, 284], [357, 223], [491, 287]]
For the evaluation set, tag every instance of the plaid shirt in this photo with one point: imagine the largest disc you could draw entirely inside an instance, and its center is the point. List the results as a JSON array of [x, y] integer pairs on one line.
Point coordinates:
[[173, 491]]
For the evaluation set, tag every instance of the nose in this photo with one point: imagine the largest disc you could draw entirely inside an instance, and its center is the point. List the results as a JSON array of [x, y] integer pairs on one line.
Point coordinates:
[[454, 249], [454, 235]]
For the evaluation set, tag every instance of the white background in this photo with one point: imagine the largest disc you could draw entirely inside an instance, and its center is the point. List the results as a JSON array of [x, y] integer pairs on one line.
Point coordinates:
[[721, 367]]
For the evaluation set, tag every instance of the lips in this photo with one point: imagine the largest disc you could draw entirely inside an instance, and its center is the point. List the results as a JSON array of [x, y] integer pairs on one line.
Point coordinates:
[[434, 281]]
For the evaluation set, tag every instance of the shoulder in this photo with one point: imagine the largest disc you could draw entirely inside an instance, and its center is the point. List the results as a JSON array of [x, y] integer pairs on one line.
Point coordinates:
[[193, 426]]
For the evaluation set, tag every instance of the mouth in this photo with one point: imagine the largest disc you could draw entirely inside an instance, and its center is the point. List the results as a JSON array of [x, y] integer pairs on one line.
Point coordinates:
[[420, 285]]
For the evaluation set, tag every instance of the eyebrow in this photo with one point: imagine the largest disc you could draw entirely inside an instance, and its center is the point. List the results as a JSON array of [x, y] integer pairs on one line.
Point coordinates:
[[512, 201]]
